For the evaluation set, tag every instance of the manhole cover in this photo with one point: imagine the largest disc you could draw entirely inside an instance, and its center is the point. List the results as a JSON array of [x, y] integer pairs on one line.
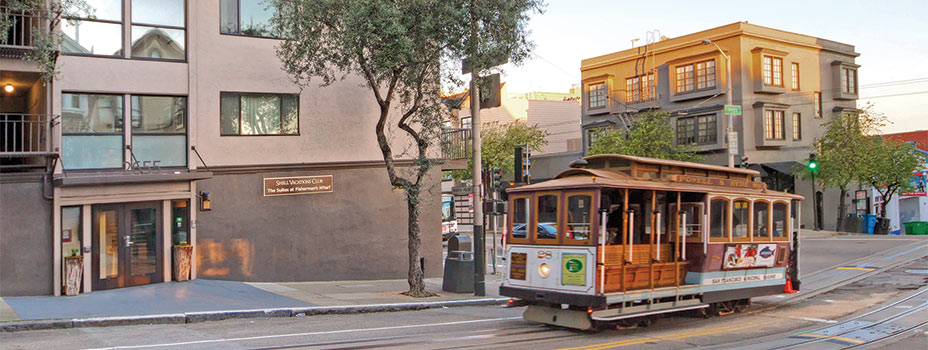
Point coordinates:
[[917, 271]]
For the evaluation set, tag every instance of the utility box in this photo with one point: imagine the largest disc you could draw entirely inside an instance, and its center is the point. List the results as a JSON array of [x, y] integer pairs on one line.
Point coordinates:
[[459, 266]]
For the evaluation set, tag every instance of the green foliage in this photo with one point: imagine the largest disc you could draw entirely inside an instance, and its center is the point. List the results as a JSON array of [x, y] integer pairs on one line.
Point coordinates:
[[651, 135], [888, 167], [399, 48], [498, 142], [842, 146], [45, 39]]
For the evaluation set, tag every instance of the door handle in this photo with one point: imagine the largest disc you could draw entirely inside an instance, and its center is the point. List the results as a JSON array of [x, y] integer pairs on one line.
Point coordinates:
[[128, 241]]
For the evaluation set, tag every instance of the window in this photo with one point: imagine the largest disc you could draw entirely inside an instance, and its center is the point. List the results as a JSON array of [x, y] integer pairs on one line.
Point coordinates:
[[640, 89], [92, 134], [466, 123], [718, 218], [696, 76], [159, 129], [779, 220], [849, 80], [817, 101], [761, 219], [259, 114], [594, 134], [740, 215], [579, 222], [773, 125], [100, 36], [699, 130], [546, 208], [797, 126], [246, 17], [596, 96], [773, 71], [795, 76], [520, 211], [71, 233], [158, 29]]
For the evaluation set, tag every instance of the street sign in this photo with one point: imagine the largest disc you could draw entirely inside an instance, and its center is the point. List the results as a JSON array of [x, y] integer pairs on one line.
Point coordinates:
[[733, 142], [732, 110]]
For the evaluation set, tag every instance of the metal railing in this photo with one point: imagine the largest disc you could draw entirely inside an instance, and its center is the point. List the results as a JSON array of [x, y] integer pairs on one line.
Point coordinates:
[[19, 35], [27, 135], [456, 144]]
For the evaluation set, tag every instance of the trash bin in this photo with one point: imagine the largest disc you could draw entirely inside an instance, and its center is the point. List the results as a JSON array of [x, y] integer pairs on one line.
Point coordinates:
[[459, 266], [916, 228], [881, 227], [853, 223], [870, 223]]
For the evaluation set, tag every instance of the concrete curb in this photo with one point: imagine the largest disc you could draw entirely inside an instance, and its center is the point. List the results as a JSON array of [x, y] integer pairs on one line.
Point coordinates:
[[204, 316]]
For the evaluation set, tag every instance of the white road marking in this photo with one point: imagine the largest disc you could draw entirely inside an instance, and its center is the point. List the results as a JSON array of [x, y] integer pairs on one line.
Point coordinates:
[[821, 320], [304, 334]]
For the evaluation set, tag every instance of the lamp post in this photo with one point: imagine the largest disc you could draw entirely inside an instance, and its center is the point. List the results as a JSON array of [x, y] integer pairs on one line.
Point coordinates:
[[731, 129]]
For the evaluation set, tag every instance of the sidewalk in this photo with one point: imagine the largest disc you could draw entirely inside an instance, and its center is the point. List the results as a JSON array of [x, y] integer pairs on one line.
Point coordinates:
[[201, 300]]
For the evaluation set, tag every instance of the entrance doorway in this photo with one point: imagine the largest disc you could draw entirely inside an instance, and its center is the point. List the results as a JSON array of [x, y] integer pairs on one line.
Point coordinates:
[[127, 245]]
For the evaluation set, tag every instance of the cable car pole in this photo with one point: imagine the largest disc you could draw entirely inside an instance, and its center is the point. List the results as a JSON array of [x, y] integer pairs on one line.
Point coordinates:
[[480, 265]]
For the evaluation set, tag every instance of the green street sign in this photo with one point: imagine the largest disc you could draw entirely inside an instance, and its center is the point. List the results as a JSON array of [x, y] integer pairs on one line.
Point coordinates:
[[732, 110]]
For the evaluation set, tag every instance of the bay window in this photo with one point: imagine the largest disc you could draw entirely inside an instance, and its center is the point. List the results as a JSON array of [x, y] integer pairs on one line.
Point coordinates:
[[773, 71], [773, 125]]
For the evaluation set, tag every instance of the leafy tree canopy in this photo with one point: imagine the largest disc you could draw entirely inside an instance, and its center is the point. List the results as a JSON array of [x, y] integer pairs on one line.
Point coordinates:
[[649, 136], [498, 142]]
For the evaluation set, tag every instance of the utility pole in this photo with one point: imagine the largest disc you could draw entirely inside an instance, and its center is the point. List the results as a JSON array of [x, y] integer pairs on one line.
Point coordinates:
[[480, 264], [729, 107]]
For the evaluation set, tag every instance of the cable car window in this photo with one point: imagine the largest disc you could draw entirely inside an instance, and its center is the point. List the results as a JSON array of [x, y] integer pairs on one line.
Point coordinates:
[[740, 215], [718, 215], [520, 218], [779, 220], [578, 217], [761, 220], [547, 217]]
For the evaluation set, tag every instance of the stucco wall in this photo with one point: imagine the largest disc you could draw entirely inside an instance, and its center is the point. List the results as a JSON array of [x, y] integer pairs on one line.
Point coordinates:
[[25, 237], [356, 232]]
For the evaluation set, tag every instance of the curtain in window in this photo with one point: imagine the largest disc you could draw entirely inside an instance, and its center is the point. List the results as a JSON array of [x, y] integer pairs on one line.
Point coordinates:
[[260, 114]]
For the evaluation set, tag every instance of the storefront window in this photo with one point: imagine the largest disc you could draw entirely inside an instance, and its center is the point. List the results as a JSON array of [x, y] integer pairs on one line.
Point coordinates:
[[180, 222], [718, 218], [71, 231], [740, 217]]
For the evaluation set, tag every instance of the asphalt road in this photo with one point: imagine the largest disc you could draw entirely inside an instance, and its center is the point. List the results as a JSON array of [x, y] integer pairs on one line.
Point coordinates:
[[879, 294]]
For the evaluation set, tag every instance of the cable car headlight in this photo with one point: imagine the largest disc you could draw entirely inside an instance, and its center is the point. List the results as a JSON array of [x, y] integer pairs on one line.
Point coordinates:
[[544, 270]]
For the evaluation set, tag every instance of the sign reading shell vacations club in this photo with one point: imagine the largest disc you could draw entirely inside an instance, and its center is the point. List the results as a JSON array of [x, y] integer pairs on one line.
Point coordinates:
[[711, 181], [284, 186]]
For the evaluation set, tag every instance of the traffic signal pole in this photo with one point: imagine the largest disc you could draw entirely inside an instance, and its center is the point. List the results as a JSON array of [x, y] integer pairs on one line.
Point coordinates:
[[480, 262]]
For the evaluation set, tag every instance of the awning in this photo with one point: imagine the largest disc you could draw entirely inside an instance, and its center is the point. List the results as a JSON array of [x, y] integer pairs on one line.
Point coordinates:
[[786, 168], [758, 168]]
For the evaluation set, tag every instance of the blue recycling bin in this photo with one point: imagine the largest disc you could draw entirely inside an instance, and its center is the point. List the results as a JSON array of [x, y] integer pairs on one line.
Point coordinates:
[[871, 223]]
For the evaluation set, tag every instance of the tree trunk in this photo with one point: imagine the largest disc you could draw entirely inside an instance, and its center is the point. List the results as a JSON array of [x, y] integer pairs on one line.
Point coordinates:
[[415, 273], [842, 211]]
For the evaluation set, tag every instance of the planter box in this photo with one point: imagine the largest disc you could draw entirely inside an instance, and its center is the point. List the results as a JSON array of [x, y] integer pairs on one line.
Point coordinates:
[[182, 256], [73, 271]]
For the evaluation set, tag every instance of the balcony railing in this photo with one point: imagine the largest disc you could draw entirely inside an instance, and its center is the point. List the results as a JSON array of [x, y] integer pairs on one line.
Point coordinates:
[[456, 144], [19, 36], [27, 135]]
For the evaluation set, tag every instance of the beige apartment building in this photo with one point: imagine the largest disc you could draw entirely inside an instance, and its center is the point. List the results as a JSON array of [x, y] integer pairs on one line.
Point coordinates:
[[172, 122], [787, 85]]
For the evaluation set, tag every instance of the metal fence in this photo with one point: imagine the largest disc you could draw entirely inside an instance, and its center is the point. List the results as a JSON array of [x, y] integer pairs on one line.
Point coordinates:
[[19, 34], [26, 135], [456, 144]]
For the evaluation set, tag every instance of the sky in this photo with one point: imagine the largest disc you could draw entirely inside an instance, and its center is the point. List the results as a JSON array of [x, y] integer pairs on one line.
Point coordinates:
[[891, 37]]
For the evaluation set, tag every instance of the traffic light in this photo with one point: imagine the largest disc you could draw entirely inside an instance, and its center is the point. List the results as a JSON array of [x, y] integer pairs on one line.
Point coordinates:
[[526, 161], [496, 174], [813, 163], [744, 163]]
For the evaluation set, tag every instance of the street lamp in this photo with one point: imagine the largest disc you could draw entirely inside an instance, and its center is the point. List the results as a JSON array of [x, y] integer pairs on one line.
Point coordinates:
[[731, 156]]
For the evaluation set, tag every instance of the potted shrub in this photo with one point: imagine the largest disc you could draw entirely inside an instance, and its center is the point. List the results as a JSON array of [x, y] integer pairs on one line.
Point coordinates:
[[182, 256], [73, 269]]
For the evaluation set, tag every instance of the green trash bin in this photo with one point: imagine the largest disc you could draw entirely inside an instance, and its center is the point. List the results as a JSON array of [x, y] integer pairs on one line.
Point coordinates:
[[916, 228]]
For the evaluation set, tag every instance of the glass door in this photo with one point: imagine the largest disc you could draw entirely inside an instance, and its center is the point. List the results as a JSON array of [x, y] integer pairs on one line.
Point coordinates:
[[107, 247], [127, 247], [143, 243]]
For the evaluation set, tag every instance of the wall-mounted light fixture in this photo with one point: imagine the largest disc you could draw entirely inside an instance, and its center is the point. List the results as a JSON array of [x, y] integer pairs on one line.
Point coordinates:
[[8, 88], [205, 204]]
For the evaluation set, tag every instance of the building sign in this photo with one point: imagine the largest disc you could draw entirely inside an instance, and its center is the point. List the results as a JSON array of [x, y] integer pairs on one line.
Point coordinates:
[[711, 181], [919, 183], [749, 255], [284, 186], [573, 269]]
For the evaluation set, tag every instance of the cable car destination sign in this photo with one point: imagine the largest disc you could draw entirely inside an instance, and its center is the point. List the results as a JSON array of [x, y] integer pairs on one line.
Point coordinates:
[[285, 186], [712, 181]]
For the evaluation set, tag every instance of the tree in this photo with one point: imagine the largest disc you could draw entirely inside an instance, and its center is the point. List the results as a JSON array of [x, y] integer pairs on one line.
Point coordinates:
[[888, 167], [398, 48], [839, 152], [649, 136], [498, 142], [45, 39]]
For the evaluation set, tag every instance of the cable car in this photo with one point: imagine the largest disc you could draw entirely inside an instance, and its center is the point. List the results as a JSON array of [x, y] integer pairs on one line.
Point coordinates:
[[616, 238]]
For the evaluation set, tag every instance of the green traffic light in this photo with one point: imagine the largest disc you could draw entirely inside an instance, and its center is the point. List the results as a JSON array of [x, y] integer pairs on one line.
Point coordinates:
[[813, 165]]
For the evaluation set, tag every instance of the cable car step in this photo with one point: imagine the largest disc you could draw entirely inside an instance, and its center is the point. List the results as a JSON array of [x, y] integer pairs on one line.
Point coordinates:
[[645, 310]]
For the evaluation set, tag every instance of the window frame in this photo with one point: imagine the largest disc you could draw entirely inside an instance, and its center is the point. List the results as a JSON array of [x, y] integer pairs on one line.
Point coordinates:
[[769, 71], [726, 234], [185, 133], [681, 86], [589, 94], [749, 234], [641, 88], [701, 207], [240, 93], [696, 123], [786, 220], [122, 32], [533, 234], [238, 20], [797, 126], [510, 239], [794, 76], [768, 237], [593, 222], [122, 134], [817, 102], [131, 24], [770, 129], [848, 80]]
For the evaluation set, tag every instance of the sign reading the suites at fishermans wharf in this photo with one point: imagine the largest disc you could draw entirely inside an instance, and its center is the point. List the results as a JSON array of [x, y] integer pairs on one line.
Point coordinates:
[[712, 181], [284, 186]]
